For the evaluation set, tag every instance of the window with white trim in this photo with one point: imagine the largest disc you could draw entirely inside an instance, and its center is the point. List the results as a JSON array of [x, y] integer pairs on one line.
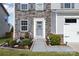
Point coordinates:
[[39, 6], [68, 5], [24, 25], [24, 7]]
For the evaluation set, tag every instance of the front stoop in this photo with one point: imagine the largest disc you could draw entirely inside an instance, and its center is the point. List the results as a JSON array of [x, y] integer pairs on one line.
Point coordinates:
[[39, 45]]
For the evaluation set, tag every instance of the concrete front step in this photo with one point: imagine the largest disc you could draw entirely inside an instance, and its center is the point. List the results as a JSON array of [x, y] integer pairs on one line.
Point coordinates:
[[39, 45]]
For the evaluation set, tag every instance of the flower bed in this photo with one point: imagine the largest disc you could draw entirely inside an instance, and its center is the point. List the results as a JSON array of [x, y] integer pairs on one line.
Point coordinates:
[[22, 44]]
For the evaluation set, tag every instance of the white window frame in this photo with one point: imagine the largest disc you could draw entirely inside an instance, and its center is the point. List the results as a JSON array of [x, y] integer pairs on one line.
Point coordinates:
[[41, 7], [23, 25], [67, 8], [23, 9]]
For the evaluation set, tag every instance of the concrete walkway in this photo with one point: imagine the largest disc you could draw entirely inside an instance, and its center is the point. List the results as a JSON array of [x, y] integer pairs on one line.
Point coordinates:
[[40, 46], [59, 49], [74, 45]]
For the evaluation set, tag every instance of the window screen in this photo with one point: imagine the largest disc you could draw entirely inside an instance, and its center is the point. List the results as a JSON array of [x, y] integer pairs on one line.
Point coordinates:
[[24, 7]]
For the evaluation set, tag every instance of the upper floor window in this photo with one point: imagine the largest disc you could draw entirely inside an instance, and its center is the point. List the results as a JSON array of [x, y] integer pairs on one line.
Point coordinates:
[[24, 25], [68, 5], [39, 6], [24, 7]]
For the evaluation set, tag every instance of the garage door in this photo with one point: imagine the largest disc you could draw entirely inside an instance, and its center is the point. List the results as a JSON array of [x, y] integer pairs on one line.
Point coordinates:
[[71, 30]]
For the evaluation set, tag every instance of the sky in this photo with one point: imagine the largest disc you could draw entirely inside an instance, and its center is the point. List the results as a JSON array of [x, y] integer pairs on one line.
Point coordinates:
[[10, 8]]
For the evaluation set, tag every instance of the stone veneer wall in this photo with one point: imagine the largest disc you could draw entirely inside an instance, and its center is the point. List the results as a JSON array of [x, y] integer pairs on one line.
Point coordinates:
[[30, 15]]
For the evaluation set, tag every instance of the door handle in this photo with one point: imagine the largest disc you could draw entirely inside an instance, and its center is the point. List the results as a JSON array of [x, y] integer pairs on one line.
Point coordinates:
[[67, 36], [78, 32]]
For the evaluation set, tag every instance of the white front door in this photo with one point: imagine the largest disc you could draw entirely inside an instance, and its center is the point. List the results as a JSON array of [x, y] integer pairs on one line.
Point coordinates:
[[39, 28]]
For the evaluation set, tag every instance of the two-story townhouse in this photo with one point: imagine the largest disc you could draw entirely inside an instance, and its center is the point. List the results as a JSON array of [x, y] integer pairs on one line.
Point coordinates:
[[34, 18], [40, 19], [65, 21], [4, 26]]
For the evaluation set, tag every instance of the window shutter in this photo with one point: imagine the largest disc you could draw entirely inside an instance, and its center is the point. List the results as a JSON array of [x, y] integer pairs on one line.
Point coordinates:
[[62, 5], [45, 6], [17, 6], [31, 6], [72, 5]]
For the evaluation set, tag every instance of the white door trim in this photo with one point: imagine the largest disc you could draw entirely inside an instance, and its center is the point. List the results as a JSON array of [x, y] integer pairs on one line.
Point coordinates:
[[39, 19]]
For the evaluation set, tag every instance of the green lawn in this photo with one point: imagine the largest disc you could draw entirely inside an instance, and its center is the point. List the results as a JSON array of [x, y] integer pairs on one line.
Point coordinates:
[[3, 39], [11, 52], [15, 52]]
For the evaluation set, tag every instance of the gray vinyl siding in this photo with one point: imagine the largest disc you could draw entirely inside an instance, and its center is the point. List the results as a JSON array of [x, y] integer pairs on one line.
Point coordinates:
[[67, 14], [60, 6], [53, 22], [61, 21], [4, 27]]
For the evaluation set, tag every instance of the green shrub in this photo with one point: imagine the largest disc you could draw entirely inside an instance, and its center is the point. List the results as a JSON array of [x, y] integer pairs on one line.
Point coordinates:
[[54, 39], [7, 41], [11, 43], [25, 42]]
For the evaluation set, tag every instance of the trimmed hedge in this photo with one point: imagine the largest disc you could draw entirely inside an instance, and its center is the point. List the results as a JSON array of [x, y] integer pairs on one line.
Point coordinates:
[[54, 39]]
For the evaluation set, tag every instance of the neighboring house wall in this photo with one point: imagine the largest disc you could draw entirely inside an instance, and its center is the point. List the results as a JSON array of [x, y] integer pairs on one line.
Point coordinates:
[[61, 21], [59, 14], [4, 27], [30, 15], [60, 5], [62, 13], [76, 5], [55, 6]]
